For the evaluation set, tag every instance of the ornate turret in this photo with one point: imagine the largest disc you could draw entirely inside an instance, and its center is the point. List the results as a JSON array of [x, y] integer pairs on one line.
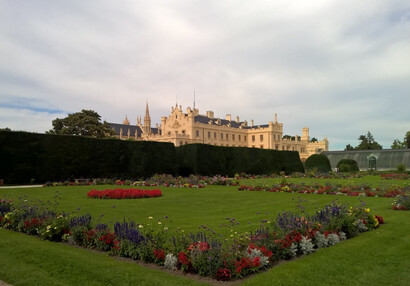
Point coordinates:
[[147, 120], [126, 121]]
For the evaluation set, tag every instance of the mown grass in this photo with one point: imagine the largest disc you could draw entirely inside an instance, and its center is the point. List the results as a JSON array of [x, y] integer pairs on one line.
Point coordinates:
[[379, 257]]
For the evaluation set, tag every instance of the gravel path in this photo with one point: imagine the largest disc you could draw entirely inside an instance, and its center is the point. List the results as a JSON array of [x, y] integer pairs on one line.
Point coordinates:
[[25, 186]]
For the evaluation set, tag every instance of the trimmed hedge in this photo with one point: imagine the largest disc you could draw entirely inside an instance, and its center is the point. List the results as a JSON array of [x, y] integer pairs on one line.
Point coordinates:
[[318, 162], [203, 159], [44, 157], [347, 165]]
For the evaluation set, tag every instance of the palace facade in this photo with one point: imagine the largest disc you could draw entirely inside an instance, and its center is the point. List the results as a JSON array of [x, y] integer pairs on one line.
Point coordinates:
[[189, 127]]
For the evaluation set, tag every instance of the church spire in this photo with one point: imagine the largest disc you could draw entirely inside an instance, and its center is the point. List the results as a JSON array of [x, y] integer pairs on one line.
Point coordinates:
[[147, 120], [126, 121]]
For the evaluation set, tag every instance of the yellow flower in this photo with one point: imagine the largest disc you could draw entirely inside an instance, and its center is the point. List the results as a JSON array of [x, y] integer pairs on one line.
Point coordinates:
[[367, 210]]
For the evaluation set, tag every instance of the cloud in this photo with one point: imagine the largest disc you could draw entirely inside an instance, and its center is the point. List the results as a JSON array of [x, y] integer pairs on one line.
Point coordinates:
[[339, 68]]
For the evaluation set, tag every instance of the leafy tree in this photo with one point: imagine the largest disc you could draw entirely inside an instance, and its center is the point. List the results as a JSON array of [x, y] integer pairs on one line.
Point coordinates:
[[314, 139], [84, 123], [407, 139], [368, 142], [5, 129], [349, 147], [398, 145]]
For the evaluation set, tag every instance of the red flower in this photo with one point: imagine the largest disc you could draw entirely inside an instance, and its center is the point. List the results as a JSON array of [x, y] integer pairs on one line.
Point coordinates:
[[379, 219], [223, 274], [159, 254], [256, 262], [124, 194], [183, 258]]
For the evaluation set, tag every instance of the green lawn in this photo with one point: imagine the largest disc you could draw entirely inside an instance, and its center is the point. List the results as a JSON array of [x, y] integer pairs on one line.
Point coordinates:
[[379, 257]]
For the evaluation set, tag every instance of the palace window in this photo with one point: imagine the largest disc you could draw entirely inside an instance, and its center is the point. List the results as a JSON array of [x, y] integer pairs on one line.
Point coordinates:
[[222, 136], [261, 146], [183, 132], [215, 135], [197, 133], [244, 138], [239, 137], [253, 138], [209, 134], [227, 136], [233, 137], [261, 138]]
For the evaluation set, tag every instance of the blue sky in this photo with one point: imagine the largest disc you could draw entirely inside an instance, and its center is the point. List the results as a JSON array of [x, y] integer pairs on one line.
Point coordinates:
[[341, 68]]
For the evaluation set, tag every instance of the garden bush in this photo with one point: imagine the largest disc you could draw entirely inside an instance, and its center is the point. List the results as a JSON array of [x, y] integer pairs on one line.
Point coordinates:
[[347, 165], [318, 162]]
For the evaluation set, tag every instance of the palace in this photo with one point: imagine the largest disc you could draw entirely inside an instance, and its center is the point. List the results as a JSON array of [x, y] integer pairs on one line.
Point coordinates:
[[182, 128]]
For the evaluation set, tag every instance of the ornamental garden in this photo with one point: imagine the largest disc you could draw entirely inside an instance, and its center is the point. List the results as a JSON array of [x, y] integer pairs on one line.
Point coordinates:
[[301, 229]]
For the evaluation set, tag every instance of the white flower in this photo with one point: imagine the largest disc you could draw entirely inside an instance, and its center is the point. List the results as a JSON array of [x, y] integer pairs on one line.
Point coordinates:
[[150, 217], [306, 245], [159, 222], [321, 240], [140, 226], [171, 261], [166, 228], [333, 239], [293, 249]]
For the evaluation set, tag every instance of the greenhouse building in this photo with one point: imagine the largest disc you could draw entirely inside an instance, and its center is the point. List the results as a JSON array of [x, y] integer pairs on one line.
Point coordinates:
[[380, 160]]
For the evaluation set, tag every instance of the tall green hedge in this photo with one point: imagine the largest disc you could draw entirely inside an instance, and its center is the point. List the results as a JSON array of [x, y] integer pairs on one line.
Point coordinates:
[[43, 157], [211, 160], [26, 156], [318, 162], [347, 165]]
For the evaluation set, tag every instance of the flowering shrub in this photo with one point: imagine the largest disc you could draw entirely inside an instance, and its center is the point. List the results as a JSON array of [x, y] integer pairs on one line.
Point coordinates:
[[402, 202], [124, 194]]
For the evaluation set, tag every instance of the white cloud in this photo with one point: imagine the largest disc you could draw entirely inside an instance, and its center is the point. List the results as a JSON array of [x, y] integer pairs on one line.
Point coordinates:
[[339, 68]]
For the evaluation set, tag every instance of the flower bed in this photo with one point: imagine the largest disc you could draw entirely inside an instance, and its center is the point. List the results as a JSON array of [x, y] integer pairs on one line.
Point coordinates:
[[124, 194], [360, 190], [395, 176], [207, 254], [402, 202]]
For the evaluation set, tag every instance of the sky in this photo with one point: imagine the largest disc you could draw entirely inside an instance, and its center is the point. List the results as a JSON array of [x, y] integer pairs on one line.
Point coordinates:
[[341, 68]]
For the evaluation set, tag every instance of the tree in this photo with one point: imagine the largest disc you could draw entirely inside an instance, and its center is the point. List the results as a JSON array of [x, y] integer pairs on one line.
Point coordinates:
[[407, 139], [368, 142], [84, 123], [398, 145], [314, 139], [349, 147]]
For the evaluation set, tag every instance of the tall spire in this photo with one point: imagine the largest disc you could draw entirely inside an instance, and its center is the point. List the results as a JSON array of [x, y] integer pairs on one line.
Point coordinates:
[[126, 121], [147, 120]]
